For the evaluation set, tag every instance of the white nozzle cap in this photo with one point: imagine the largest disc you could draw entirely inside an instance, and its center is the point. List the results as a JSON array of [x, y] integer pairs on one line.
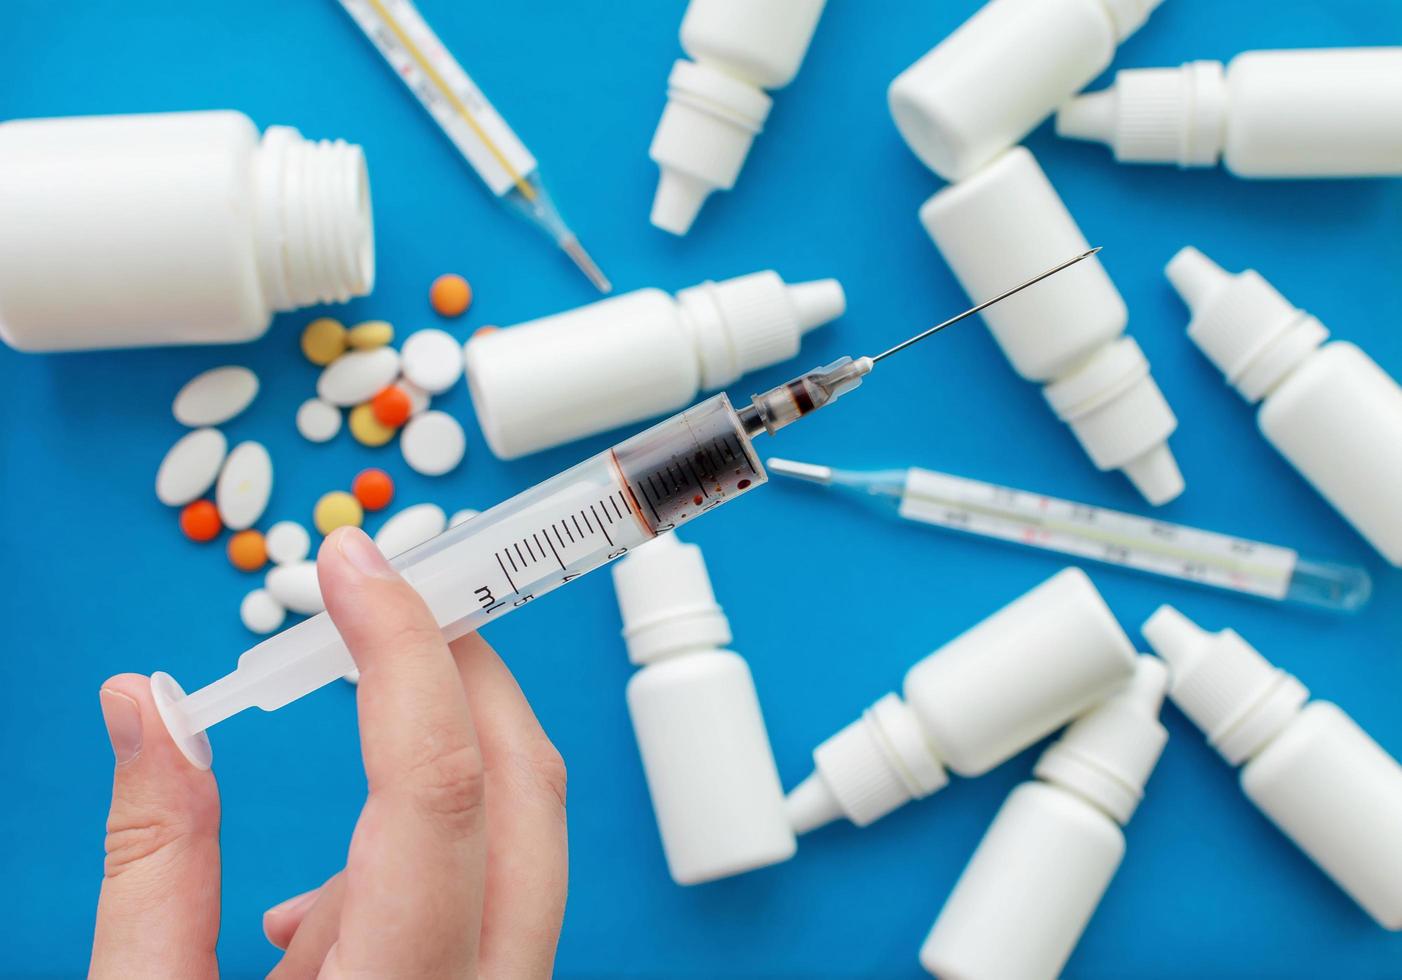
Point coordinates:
[[818, 302], [666, 600], [194, 745], [678, 200], [1155, 115], [811, 805], [1156, 475], [1088, 117]]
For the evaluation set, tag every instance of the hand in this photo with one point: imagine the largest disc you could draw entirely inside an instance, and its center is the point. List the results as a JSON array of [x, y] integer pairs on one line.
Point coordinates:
[[457, 864]]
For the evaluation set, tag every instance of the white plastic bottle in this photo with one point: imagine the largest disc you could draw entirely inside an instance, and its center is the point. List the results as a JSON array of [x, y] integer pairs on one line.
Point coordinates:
[[1007, 68], [1328, 408], [972, 704], [173, 228], [716, 102], [1322, 113], [1039, 873], [1007, 223], [631, 357], [1319, 777], [710, 771]]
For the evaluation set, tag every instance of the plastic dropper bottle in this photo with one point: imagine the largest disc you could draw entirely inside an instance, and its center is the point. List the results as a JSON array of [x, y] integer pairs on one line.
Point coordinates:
[[1328, 408], [1042, 868], [710, 770], [1321, 113], [631, 357], [716, 102], [972, 704], [1318, 776]]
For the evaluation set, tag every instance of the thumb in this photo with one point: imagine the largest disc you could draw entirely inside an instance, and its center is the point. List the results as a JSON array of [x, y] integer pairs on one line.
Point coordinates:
[[158, 913]]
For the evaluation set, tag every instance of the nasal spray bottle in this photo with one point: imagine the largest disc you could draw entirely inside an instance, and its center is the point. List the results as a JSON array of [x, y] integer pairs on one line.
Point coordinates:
[[716, 102], [1040, 872], [1319, 777], [706, 755], [1327, 407], [972, 704]]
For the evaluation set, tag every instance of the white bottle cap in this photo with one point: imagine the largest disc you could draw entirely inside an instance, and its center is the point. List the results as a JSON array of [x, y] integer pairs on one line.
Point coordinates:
[[1244, 326], [1107, 755], [667, 602], [1155, 115], [1223, 684], [702, 139]]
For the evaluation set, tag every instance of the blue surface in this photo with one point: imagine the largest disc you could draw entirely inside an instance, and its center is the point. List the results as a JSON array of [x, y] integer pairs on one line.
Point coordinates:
[[98, 579]]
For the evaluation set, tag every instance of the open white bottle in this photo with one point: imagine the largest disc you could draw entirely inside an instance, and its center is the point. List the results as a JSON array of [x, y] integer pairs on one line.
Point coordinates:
[[1040, 871], [706, 755], [972, 704], [1328, 408], [1310, 768], [1314, 113], [173, 228], [716, 102]]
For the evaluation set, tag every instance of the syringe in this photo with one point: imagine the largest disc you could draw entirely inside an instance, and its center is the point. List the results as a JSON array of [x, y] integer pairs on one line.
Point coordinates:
[[1099, 534], [479, 132], [553, 533]]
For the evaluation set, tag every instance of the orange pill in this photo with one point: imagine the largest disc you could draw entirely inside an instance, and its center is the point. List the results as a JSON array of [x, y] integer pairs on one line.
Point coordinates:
[[450, 295], [248, 552], [200, 521], [373, 488], [392, 407], [483, 331]]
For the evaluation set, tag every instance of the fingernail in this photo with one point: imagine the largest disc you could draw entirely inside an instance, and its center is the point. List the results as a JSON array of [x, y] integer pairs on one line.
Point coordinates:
[[293, 903], [356, 547], [122, 715]]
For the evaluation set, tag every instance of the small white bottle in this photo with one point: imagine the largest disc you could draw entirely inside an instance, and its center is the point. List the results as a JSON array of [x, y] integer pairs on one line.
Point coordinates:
[[1007, 68], [173, 228], [1321, 113], [706, 755], [1042, 868], [972, 704], [1318, 776], [1006, 224], [1328, 408], [631, 357], [716, 102]]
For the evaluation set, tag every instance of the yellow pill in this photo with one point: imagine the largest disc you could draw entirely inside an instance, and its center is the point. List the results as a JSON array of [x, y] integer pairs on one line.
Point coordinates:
[[366, 429], [324, 340], [337, 509], [370, 334]]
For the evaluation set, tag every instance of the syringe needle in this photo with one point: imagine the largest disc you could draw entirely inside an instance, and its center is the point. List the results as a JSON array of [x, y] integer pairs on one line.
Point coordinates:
[[572, 248], [985, 305]]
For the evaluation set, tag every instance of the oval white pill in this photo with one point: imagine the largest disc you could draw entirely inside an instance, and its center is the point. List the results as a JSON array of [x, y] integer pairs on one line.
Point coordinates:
[[287, 541], [466, 514], [260, 612], [358, 376], [418, 398], [432, 443], [410, 528], [245, 483], [433, 360], [295, 586], [318, 421], [214, 397], [353, 677], [191, 466]]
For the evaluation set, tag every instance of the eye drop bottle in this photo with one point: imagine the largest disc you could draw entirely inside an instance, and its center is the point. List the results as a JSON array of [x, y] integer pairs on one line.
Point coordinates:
[[1039, 873], [1318, 776], [972, 704], [1327, 407]]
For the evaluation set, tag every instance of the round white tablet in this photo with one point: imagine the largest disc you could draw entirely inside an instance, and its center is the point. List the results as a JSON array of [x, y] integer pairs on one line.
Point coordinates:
[[432, 443], [318, 421], [463, 515], [245, 483], [260, 612], [214, 397], [432, 359], [358, 376], [191, 466], [287, 541], [410, 528], [296, 587]]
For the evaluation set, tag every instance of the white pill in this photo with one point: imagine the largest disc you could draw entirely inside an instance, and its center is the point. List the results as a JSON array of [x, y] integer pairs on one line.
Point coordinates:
[[214, 397], [462, 516], [410, 528], [295, 586], [260, 612], [318, 421], [353, 677], [432, 443], [245, 483], [287, 541], [418, 398], [191, 466], [358, 376], [432, 359]]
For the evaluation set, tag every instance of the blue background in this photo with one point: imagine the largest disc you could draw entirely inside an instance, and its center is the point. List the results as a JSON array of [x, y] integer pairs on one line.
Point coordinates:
[[97, 578]]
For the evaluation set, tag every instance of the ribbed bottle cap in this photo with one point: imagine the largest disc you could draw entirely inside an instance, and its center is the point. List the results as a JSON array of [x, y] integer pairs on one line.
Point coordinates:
[[666, 600], [1155, 115]]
